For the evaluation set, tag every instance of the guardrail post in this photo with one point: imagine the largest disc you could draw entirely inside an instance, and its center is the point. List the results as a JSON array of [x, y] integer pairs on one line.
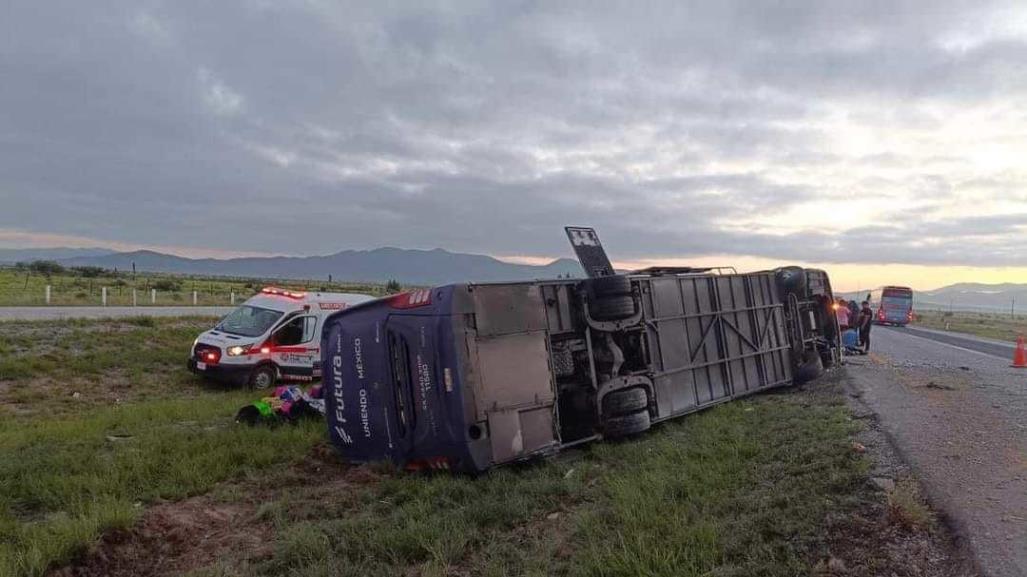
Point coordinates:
[[231, 299], [194, 298], [103, 296], [135, 301], [153, 296], [47, 294]]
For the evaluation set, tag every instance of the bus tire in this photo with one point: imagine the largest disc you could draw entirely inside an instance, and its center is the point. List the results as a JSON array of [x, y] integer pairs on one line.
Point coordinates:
[[625, 401], [612, 308], [626, 425], [791, 280], [810, 369], [263, 377], [607, 286]]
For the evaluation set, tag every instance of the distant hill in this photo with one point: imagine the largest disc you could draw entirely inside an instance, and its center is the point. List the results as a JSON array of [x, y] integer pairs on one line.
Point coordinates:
[[13, 255], [416, 267], [977, 297]]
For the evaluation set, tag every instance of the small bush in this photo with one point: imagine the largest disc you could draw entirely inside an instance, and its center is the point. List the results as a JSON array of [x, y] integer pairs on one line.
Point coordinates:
[[91, 271], [167, 285], [393, 286], [45, 267]]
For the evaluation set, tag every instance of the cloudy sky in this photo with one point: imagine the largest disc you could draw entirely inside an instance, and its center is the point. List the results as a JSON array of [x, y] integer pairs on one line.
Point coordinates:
[[850, 134]]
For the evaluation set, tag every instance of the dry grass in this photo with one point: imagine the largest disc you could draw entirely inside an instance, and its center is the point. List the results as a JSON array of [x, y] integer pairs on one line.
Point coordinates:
[[907, 507]]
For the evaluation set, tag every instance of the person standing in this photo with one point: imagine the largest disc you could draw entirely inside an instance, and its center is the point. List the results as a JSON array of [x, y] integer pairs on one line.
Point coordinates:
[[866, 320]]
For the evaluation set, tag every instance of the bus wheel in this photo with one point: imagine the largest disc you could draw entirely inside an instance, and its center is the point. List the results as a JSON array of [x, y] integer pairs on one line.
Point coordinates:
[[263, 377], [625, 401], [827, 359], [626, 425], [810, 369], [791, 280], [612, 308]]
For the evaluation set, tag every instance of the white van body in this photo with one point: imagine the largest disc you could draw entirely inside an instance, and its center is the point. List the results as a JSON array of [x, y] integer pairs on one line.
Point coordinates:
[[275, 335]]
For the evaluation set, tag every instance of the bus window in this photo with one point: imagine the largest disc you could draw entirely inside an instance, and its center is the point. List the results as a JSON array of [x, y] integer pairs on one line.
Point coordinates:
[[402, 387]]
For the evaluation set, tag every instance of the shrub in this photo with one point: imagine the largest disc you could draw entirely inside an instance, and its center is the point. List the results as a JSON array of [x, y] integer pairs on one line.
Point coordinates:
[[45, 267], [393, 286], [167, 285], [91, 271]]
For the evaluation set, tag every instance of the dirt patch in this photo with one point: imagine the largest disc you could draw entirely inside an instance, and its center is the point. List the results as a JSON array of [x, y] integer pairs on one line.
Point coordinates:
[[175, 538], [934, 380], [868, 541]]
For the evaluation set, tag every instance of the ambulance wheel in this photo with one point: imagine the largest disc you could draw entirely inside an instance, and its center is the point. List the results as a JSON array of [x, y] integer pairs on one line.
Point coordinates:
[[625, 401], [626, 425], [263, 377]]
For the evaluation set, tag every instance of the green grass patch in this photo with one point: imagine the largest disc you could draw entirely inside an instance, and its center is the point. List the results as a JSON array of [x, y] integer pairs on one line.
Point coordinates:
[[68, 366], [738, 490], [65, 481], [25, 287], [989, 325]]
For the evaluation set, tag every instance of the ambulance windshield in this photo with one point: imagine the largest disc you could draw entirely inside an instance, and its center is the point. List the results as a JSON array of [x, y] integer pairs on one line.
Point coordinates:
[[249, 321]]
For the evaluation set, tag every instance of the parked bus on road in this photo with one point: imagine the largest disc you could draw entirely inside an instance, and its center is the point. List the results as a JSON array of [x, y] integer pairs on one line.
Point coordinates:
[[893, 305], [469, 376]]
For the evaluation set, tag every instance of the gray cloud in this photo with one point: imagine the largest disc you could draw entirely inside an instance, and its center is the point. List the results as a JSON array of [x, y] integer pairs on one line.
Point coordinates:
[[680, 130]]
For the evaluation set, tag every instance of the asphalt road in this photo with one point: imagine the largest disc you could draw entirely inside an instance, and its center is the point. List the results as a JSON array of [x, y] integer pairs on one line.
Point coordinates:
[[50, 313], [994, 347], [957, 413]]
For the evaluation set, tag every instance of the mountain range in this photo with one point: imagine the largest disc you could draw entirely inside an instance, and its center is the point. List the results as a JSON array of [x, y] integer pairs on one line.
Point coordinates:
[[438, 266], [13, 255], [979, 297], [407, 266]]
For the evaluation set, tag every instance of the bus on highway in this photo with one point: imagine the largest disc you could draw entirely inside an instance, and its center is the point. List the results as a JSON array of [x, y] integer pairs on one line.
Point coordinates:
[[893, 305], [469, 376]]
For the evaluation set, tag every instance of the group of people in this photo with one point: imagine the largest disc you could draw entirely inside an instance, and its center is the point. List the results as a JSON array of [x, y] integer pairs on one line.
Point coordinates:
[[857, 318]]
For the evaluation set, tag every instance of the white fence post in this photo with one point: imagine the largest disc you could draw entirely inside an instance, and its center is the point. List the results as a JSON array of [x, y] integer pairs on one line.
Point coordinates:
[[231, 299], [194, 298], [103, 296], [47, 294], [135, 301], [153, 296]]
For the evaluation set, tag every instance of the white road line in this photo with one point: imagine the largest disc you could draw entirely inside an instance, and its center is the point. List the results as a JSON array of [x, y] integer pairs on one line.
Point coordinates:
[[951, 345]]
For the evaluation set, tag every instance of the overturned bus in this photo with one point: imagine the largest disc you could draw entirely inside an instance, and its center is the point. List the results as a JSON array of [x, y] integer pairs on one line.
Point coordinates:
[[470, 376]]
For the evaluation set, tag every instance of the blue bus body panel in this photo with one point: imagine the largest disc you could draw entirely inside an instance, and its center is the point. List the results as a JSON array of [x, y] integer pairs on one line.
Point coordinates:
[[378, 410]]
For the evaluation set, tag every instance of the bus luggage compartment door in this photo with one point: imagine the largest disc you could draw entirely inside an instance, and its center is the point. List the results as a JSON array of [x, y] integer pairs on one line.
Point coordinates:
[[515, 391]]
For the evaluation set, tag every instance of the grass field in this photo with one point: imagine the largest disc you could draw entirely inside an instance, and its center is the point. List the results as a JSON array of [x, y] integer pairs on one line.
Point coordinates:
[[102, 430], [28, 288], [990, 325]]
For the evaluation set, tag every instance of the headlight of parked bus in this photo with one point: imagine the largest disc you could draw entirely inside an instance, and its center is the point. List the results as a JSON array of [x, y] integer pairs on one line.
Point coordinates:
[[238, 350]]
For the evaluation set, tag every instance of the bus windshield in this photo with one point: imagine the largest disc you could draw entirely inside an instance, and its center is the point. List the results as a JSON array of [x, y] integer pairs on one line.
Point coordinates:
[[897, 297], [249, 321]]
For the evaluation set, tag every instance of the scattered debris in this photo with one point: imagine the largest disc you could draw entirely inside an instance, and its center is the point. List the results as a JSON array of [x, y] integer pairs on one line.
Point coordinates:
[[858, 447], [289, 404], [883, 483]]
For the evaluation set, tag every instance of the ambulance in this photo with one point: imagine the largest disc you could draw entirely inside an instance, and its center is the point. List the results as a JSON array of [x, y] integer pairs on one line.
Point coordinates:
[[274, 336]]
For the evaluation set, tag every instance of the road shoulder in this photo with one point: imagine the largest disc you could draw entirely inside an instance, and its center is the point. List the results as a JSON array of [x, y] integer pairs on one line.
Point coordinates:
[[945, 429]]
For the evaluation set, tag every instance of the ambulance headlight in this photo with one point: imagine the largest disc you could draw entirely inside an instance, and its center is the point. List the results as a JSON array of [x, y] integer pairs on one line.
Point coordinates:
[[237, 350]]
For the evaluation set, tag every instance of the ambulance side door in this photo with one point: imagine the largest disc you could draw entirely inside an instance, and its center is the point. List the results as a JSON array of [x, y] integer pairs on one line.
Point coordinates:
[[296, 348]]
